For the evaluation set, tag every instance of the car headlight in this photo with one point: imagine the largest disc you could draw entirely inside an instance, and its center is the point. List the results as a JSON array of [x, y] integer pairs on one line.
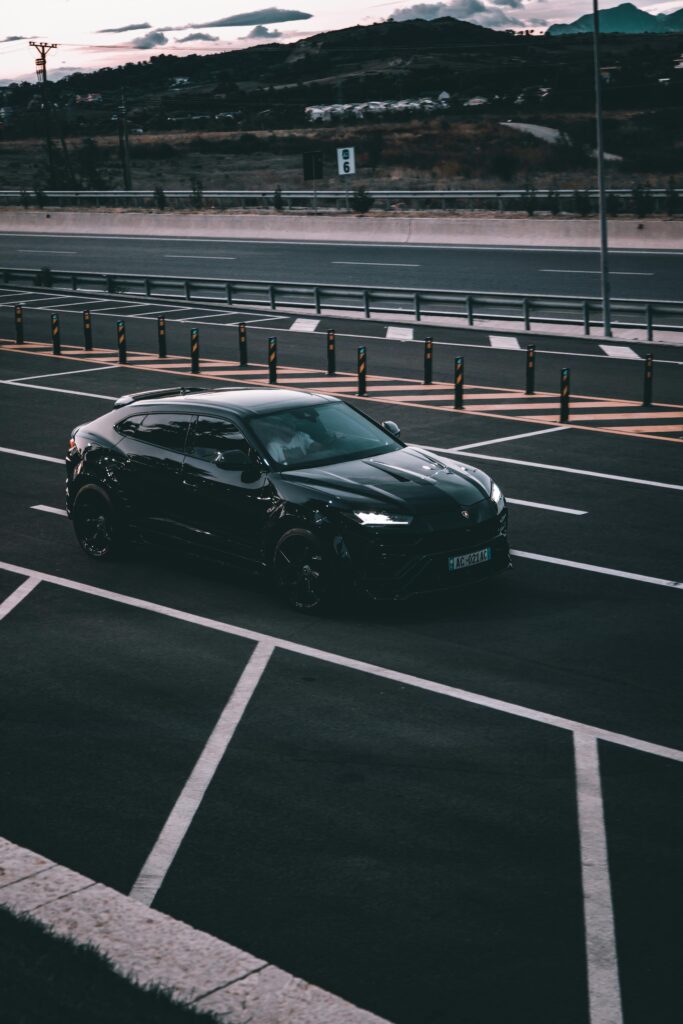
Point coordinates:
[[497, 496], [382, 519]]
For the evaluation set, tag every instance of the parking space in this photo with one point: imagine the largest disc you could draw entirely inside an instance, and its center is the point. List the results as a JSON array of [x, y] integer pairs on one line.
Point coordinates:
[[401, 811]]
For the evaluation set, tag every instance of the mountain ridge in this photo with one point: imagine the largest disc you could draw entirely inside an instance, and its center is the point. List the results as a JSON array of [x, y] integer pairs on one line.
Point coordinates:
[[626, 18]]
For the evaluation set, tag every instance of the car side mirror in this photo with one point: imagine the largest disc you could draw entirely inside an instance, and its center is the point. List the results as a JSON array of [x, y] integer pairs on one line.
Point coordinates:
[[392, 428], [235, 459]]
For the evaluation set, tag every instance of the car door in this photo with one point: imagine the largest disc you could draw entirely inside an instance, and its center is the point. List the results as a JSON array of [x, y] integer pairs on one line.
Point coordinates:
[[225, 506], [151, 448]]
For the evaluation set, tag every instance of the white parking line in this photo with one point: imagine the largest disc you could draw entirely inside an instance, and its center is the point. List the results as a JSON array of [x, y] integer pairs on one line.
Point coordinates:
[[62, 373], [547, 508], [54, 252], [355, 263], [18, 595], [49, 508], [60, 391], [187, 256], [31, 455], [613, 273], [301, 324], [619, 352], [503, 341], [500, 440], [163, 852], [599, 569]]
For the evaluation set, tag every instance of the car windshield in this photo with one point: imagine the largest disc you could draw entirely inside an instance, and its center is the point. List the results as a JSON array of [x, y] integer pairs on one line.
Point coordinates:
[[315, 435]]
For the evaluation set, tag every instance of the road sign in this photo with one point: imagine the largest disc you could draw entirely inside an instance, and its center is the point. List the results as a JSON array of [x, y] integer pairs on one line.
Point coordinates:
[[313, 166], [346, 160]]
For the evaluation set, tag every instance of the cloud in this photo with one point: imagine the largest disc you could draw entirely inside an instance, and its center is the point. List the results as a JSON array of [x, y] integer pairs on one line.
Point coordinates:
[[197, 37], [465, 10], [261, 32], [12, 39], [124, 28], [268, 16], [149, 41]]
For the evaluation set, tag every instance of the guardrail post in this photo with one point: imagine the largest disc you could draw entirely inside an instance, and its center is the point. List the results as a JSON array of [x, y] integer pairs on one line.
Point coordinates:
[[647, 380], [468, 310], [362, 369], [272, 360], [148, 286], [564, 396], [459, 381], [429, 344], [19, 324], [530, 369], [228, 293], [121, 340], [194, 349], [109, 280], [271, 290], [161, 336], [525, 313], [418, 310], [331, 354], [188, 289], [242, 333], [586, 317], [87, 330], [648, 320], [366, 303], [56, 341], [316, 298]]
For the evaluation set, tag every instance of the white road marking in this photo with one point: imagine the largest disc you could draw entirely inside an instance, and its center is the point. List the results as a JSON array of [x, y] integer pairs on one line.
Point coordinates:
[[301, 324], [61, 391], [163, 852], [564, 469], [54, 252], [604, 995], [18, 595], [500, 440], [356, 263], [399, 334], [31, 455], [503, 341], [548, 508], [183, 256], [467, 696], [613, 273], [619, 352], [49, 508], [599, 569], [62, 373]]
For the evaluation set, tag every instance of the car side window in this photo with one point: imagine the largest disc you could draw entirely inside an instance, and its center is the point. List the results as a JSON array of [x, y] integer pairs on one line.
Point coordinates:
[[211, 437], [166, 429], [130, 426]]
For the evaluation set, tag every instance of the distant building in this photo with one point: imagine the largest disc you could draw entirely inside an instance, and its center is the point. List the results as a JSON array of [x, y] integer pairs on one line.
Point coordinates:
[[476, 101], [373, 108]]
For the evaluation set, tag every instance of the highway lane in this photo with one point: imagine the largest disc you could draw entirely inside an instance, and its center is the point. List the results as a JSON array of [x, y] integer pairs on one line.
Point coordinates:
[[635, 274]]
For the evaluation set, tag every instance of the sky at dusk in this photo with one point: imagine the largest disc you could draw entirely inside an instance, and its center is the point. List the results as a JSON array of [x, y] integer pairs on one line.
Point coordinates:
[[97, 35]]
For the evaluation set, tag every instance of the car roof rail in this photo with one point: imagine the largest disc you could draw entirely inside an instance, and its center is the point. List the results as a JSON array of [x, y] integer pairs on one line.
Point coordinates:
[[142, 396]]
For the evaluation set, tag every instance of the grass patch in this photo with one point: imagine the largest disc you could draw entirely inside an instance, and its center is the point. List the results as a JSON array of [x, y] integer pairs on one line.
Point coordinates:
[[45, 979]]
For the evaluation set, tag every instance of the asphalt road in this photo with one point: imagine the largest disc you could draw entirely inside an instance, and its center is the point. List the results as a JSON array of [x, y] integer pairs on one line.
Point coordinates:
[[532, 271], [409, 813]]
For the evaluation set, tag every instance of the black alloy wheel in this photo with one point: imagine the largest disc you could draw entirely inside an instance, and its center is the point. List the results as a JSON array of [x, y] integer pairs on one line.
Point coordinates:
[[95, 525], [302, 571]]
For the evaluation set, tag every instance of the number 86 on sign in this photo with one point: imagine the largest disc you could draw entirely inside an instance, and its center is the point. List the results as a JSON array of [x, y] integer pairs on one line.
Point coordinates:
[[346, 160]]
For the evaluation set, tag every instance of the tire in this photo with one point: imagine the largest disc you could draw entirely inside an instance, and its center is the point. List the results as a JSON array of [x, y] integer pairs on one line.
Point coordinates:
[[97, 527], [303, 572]]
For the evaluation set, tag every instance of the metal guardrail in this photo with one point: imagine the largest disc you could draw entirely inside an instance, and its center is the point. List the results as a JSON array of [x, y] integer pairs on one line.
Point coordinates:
[[563, 199], [650, 316]]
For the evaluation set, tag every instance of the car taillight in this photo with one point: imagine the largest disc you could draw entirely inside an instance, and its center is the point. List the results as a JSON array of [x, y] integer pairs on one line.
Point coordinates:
[[72, 443]]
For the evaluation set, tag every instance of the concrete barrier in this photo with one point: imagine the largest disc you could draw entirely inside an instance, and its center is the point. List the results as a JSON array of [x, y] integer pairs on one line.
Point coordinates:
[[378, 229]]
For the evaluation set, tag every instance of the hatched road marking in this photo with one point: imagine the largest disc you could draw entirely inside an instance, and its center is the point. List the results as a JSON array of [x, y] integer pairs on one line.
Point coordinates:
[[619, 351], [503, 341]]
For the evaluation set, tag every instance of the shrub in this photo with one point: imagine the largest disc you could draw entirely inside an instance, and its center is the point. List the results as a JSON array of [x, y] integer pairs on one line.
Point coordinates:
[[530, 200], [360, 201], [197, 197], [612, 205], [44, 277], [278, 201], [41, 198], [24, 198], [159, 197], [671, 202], [641, 196], [553, 201], [582, 202]]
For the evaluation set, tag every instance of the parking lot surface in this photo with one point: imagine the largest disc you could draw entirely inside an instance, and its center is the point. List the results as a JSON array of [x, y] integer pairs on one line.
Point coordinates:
[[463, 809]]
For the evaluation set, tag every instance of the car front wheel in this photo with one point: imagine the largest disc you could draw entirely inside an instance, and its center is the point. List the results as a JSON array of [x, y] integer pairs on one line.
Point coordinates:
[[97, 528], [302, 571]]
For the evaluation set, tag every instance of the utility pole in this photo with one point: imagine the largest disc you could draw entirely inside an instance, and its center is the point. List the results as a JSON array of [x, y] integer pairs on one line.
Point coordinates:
[[123, 143], [41, 71], [604, 267]]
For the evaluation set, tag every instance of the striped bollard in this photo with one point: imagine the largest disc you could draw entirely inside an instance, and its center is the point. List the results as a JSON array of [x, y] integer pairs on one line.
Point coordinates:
[[56, 340], [564, 396], [647, 380], [121, 340], [19, 324], [530, 369], [459, 381], [161, 336], [429, 345], [331, 354], [194, 349], [242, 329], [87, 330], [362, 370], [272, 360]]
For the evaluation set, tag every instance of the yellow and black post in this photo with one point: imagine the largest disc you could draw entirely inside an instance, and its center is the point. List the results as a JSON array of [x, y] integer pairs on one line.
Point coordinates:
[[272, 360], [121, 340], [56, 341], [161, 336], [459, 381], [362, 370], [87, 330], [194, 349], [331, 354], [564, 396], [19, 324], [647, 380], [244, 359], [429, 345], [530, 369]]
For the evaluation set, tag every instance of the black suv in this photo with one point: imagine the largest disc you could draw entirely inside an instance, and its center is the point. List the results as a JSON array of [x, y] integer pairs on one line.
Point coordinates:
[[298, 484]]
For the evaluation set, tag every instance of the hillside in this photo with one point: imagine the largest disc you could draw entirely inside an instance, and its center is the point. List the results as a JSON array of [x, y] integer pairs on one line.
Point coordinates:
[[626, 18]]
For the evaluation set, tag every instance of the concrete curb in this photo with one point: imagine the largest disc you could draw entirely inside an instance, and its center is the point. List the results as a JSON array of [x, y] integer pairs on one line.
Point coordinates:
[[383, 229], [152, 949]]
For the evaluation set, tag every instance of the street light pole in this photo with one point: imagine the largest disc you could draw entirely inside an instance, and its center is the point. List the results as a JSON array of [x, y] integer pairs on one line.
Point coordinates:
[[604, 265]]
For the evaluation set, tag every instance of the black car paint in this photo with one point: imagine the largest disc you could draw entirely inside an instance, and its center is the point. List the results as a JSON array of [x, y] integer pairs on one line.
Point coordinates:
[[239, 514]]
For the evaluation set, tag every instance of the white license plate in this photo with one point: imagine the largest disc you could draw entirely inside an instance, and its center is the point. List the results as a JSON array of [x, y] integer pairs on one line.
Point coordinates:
[[465, 561]]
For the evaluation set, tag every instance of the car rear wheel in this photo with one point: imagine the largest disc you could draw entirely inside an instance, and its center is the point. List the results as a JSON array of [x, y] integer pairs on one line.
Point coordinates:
[[302, 571], [97, 528]]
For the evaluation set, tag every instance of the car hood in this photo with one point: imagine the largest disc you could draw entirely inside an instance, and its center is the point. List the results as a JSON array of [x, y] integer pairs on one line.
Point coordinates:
[[410, 479]]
